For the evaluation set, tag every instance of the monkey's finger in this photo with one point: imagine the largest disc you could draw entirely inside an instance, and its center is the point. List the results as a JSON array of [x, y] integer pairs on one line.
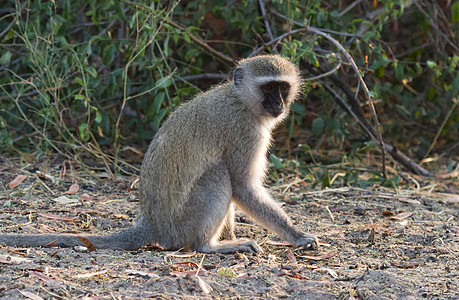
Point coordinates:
[[308, 242]]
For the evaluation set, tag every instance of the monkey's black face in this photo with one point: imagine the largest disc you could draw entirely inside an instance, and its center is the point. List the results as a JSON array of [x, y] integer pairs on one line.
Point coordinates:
[[275, 95]]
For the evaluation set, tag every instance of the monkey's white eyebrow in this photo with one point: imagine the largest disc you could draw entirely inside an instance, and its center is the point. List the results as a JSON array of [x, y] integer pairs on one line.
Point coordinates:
[[287, 78]]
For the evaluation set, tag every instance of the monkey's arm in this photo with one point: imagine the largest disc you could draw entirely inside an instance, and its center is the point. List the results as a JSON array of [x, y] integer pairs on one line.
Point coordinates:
[[255, 201]]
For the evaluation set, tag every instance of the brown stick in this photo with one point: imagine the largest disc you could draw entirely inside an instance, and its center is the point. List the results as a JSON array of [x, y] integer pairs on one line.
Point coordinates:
[[406, 161], [394, 152], [365, 89], [203, 44]]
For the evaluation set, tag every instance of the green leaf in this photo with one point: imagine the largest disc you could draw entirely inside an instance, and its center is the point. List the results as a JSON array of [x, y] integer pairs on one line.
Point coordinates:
[[318, 126], [399, 73], [164, 83], [298, 109], [79, 97], [186, 37], [79, 81], [379, 72], [159, 117], [6, 58], [368, 36], [455, 11], [431, 64], [91, 71], [98, 117], [326, 180], [168, 27], [382, 62], [108, 54], [276, 161], [84, 132], [455, 87], [159, 99]]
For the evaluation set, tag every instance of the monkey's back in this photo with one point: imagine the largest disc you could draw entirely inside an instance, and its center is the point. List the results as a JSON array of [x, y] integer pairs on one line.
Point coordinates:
[[189, 142]]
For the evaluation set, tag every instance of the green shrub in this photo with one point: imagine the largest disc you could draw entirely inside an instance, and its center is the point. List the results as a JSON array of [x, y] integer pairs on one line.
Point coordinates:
[[92, 78]]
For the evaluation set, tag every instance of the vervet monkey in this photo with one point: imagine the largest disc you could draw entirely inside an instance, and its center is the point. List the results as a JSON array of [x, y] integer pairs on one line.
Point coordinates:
[[209, 155]]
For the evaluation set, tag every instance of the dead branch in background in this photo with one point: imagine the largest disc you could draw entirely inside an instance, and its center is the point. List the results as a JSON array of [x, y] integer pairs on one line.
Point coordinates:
[[202, 76], [203, 44], [265, 19], [365, 89], [354, 109], [358, 116]]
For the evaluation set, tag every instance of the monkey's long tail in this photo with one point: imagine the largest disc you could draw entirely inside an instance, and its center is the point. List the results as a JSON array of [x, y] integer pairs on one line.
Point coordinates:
[[128, 239]]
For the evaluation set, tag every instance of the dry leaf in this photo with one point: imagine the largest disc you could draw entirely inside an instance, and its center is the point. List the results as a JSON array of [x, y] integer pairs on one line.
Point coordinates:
[[63, 170], [452, 198], [87, 243], [121, 216], [291, 257], [81, 249], [180, 255], [85, 197], [65, 200], [276, 243], [73, 189], [324, 244], [320, 257], [30, 295], [134, 183], [298, 276], [16, 181], [45, 176], [387, 213], [135, 272], [188, 263], [89, 275], [329, 271], [12, 260], [205, 287], [46, 278], [57, 217], [403, 222], [401, 216], [371, 236], [185, 273], [51, 244]]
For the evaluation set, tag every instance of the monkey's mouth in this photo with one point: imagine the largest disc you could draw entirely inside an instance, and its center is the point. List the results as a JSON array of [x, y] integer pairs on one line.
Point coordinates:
[[275, 111], [274, 107]]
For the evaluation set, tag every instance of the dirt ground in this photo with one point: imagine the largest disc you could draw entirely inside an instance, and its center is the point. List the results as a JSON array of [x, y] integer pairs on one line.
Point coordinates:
[[375, 244]]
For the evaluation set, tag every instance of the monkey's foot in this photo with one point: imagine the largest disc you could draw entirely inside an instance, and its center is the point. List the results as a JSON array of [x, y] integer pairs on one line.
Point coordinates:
[[224, 247], [308, 241]]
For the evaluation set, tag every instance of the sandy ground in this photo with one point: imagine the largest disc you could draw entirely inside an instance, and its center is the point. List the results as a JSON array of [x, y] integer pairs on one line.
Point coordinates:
[[375, 244]]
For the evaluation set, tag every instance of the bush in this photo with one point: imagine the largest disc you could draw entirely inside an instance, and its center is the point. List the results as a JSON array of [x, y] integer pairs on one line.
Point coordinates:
[[92, 78]]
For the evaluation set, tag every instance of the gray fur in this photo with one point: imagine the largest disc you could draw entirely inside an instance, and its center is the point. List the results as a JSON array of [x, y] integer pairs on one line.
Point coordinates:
[[208, 155]]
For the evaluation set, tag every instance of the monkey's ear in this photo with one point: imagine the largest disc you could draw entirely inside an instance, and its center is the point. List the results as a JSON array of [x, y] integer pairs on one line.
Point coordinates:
[[238, 76]]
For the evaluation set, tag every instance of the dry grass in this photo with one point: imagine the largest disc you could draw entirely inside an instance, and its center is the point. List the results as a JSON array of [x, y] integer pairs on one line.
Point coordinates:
[[376, 243]]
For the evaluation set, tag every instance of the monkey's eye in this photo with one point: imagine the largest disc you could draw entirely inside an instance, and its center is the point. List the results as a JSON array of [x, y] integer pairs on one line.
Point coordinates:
[[283, 86], [269, 87]]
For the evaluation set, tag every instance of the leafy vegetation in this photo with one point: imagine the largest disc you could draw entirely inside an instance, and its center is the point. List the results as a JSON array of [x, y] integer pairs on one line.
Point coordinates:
[[97, 78]]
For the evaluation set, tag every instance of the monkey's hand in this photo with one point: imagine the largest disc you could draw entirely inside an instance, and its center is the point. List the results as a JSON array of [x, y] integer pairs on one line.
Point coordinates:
[[308, 241]]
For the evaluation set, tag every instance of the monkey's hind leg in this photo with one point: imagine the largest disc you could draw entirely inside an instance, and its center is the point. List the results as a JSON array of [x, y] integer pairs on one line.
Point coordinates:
[[212, 211], [227, 232]]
